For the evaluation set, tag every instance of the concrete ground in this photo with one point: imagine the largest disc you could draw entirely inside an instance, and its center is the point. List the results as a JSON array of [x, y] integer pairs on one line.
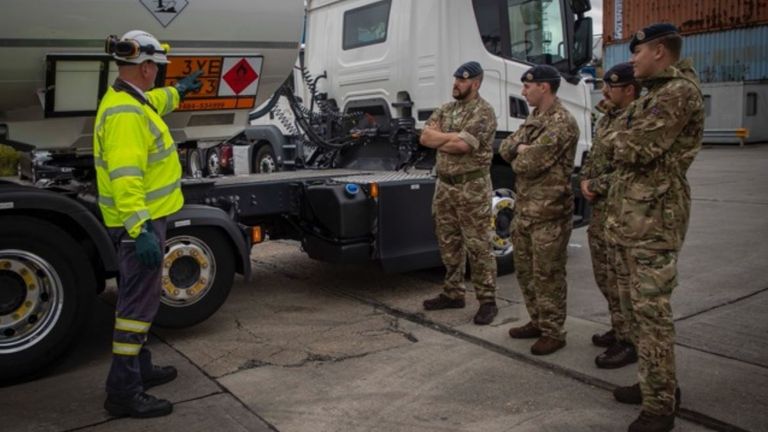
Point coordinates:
[[309, 346]]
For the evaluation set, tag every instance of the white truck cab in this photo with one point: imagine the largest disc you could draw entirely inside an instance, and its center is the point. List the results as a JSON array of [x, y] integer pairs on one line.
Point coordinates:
[[396, 58]]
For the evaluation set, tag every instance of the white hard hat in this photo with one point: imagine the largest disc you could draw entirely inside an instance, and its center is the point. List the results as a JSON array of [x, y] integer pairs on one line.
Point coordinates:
[[138, 46]]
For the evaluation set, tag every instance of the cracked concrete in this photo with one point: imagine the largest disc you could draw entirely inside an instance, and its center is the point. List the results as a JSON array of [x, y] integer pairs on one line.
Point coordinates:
[[434, 385], [286, 323]]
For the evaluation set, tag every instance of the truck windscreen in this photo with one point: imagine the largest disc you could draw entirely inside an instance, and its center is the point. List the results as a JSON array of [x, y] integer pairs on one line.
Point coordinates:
[[530, 31]]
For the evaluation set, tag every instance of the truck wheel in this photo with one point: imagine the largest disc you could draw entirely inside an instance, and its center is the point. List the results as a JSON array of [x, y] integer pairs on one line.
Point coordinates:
[[212, 162], [194, 163], [46, 293], [503, 211], [264, 160], [198, 271]]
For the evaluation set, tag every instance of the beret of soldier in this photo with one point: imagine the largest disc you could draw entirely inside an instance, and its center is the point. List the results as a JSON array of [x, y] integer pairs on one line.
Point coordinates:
[[653, 31], [469, 69], [620, 74], [541, 73]]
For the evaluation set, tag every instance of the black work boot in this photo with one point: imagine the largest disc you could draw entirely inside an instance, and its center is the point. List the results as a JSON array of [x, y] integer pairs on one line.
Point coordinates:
[[648, 422], [528, 331], [140, 405], [486, 313], [443, 302], [158, 375], [604, 340], [618, 355], [629, 395], [634, 396]]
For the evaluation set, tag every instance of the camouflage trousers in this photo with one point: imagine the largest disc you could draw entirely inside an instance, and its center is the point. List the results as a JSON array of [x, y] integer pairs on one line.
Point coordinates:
[[462, 215], [645, 280], [540, 253], [602, 267]]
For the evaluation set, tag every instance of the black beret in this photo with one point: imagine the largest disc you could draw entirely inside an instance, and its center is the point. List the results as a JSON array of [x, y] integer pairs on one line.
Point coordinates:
[[541, 73], [622, 73], [653, 31], [469, 69]]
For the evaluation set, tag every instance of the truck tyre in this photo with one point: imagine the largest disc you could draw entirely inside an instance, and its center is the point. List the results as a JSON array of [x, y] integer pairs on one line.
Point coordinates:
[[47, 291], [264, 160], [503, 208], [194, 163], [198, 271], [212, 162]]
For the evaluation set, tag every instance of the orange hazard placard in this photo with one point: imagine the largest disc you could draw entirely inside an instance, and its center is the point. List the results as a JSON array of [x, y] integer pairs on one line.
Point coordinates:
[[229, 82]]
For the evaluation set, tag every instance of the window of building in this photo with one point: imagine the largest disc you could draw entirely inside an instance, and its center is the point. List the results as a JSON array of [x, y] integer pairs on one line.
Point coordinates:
[[366, 25], [751, 104], [707, 105]]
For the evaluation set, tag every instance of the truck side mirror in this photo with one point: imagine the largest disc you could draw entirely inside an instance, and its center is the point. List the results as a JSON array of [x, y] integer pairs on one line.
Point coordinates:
[[580, 6], [582, 43]]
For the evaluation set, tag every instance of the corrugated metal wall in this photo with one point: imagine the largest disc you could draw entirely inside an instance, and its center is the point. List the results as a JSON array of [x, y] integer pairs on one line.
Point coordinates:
[[733, 55], [691, 16]]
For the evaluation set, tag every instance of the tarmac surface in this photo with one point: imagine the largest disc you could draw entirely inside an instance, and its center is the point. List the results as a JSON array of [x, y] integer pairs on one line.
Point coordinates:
[[310, 346]]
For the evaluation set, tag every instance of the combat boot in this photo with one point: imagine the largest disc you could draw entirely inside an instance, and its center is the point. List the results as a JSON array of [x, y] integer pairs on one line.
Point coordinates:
[[158, 375], [634, 396], [546, 345], [139, 405], [443, 302], [486, 313], [528, 331], [618, 355], [648, 422], [604, 340]]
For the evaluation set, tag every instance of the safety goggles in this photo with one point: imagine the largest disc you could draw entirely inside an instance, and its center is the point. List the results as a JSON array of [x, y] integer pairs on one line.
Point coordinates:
[[130, 49]]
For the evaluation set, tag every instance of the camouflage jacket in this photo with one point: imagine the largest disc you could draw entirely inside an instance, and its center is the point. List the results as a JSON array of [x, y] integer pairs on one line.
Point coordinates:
[[543, 171], [655, 143], [599, 165], [475, 121]]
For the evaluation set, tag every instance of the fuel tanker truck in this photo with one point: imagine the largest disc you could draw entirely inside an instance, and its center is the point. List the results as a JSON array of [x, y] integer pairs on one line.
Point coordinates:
[[55, 254]]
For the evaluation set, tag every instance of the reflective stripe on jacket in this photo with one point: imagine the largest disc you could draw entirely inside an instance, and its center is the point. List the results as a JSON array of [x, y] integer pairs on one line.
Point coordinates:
[[137, 167]]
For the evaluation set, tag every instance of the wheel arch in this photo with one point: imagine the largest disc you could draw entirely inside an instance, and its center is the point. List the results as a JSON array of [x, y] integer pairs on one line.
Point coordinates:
[[72, 217], [261, 135], [204, 216]]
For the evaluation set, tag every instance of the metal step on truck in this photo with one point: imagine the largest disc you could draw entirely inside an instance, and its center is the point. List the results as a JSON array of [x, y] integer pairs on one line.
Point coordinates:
[[354, 186]]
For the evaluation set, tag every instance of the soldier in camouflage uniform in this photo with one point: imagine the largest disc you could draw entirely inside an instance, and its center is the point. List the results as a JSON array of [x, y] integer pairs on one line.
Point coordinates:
[[541, 152], [648, 210], [462, 132], [619, 89]]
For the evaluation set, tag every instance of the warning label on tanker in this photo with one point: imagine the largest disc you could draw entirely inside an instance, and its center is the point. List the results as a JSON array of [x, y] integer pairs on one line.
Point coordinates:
[[229, 82]]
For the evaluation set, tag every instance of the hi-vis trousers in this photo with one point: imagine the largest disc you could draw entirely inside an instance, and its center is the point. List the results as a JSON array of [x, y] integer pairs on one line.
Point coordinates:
[[138, 300]]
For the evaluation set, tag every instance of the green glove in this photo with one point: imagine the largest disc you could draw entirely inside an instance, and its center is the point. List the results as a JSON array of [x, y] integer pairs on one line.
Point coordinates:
[[148, 248], [189, 83]]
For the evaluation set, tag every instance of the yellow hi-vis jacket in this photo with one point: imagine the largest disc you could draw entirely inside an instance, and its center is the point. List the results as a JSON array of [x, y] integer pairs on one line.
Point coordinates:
[[137, 167]]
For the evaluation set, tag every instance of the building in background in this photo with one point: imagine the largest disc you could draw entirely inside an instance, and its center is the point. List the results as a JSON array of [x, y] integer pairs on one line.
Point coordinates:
[[728, 41]]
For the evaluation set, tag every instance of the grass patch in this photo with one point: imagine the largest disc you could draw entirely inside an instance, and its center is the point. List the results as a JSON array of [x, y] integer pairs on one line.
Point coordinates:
[[9, 159]]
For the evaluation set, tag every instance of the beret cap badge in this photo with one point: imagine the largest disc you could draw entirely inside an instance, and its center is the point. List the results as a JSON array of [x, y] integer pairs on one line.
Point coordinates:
[[529, 76], [614, 78], [640, 35], [465, 75]]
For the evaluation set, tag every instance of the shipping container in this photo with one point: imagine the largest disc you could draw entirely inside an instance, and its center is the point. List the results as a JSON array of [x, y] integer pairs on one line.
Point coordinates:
[[622, 18], [726, 56], [735, 106]]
